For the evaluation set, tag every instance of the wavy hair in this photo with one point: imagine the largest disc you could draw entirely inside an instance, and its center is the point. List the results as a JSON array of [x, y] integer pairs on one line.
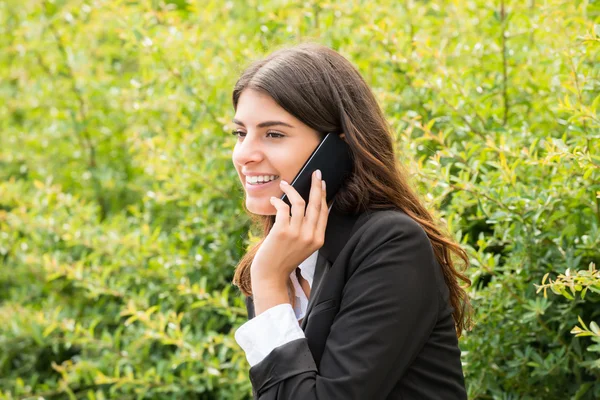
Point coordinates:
[[321, 88]]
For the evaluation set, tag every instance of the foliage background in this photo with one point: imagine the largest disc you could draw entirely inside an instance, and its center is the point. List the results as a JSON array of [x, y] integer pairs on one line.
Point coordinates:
[[120, 212]]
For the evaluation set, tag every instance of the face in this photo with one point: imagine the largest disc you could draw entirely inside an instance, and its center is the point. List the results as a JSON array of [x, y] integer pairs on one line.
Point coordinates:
[[272, 145]]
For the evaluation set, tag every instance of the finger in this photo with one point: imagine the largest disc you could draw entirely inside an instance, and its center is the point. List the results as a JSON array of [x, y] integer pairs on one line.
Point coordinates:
[[323, 214], [298, 205], [314, 202], [282, 217]]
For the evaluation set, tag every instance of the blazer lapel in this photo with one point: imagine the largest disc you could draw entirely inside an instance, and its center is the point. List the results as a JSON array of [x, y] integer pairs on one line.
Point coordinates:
[[321, 269], [340, 227]]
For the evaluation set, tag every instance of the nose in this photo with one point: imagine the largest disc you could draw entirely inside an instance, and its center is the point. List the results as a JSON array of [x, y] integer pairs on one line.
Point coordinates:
[[247, 150]]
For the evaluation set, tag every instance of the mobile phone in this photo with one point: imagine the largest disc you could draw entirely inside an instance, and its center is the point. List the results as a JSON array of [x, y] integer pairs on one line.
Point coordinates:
[[332, 156]]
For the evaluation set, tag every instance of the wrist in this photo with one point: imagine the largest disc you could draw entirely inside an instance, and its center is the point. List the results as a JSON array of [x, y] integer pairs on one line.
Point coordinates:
[[268, 293], [267, 280], [263, 287]]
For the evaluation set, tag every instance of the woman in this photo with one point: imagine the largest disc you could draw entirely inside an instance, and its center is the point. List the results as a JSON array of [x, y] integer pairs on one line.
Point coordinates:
[[356, 299]]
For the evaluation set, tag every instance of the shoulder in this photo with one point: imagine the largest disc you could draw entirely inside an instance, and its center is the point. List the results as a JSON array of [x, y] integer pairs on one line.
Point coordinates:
[[390, 234], [386, 224], [393, 249]]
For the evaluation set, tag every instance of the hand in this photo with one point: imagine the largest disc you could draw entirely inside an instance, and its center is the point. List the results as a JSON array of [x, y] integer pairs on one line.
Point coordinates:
[[290, 241]]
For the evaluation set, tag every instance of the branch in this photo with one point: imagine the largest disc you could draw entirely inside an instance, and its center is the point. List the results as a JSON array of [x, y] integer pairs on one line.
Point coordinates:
[[504, 64]]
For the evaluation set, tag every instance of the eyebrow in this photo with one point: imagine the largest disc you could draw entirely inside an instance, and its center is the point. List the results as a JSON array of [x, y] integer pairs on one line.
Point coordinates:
[[265, 124]]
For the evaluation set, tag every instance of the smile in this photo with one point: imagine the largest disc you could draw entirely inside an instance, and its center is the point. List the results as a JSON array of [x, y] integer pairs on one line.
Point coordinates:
[[253, 184], [262, 179]]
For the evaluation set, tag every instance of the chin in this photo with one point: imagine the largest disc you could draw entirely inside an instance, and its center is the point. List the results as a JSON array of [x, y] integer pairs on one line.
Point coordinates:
[[260, 206]]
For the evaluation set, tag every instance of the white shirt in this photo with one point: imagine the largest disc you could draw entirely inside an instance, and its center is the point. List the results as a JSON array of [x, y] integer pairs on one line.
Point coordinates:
[[279, 324]]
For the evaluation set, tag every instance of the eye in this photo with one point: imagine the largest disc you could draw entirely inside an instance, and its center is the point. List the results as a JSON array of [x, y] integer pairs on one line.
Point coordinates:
[[242, 134], [277, 134]]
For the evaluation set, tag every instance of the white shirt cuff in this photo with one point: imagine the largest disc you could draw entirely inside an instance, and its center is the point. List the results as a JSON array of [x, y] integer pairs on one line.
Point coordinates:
[[274, 327]]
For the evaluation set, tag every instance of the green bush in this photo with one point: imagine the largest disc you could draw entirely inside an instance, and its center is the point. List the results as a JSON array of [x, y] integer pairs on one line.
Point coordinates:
[[120, 212]]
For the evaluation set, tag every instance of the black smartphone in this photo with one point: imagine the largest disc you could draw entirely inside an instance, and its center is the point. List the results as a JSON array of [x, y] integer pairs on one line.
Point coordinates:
[[332, 156]]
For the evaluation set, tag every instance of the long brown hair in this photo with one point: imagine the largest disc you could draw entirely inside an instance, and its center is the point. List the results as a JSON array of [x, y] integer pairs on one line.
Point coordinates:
[[325, 91]]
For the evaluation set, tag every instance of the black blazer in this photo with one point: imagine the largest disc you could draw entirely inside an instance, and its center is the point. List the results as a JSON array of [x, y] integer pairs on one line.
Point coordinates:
[[378, 324]]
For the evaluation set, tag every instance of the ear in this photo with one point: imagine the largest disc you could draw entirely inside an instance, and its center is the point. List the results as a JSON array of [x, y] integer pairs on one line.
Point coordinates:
[[343, 136]]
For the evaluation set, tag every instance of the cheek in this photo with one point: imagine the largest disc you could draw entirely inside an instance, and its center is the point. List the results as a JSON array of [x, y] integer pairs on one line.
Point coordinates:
[[300, 155], [238, 168], [285, 166], [291, 166], [235, 159]]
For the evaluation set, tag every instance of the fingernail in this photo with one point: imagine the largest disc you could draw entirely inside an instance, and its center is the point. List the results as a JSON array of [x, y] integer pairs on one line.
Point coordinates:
[[323, 184], [284, 183], [318, 174]]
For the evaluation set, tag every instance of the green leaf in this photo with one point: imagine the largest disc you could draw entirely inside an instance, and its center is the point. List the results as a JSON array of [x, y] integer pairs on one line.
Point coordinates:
[[582, 323], [566, 294], [594, 328]]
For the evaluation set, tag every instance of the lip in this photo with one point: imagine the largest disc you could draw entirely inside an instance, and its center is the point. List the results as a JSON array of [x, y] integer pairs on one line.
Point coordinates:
[[258, 173], [258, 188]]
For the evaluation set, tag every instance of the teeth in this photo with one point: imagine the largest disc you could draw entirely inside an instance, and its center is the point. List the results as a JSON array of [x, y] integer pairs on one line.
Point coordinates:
[[253, 180]]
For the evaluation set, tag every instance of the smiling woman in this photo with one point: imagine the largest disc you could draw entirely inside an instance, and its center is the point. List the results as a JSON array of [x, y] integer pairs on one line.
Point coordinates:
[[264, 152], [354, 299]]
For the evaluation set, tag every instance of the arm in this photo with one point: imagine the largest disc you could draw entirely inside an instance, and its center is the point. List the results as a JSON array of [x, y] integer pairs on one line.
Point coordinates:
[[263, 333], [389, 308], [272, 328]]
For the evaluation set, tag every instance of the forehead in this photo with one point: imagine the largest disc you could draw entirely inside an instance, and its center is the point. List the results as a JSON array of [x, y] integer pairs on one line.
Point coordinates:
[[254, 106]]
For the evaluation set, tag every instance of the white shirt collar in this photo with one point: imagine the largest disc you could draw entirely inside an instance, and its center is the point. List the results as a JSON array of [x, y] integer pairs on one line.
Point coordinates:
[[307, 267]]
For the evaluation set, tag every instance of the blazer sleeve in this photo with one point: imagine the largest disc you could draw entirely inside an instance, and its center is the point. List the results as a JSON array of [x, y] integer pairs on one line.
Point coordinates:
[[387, 312]]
